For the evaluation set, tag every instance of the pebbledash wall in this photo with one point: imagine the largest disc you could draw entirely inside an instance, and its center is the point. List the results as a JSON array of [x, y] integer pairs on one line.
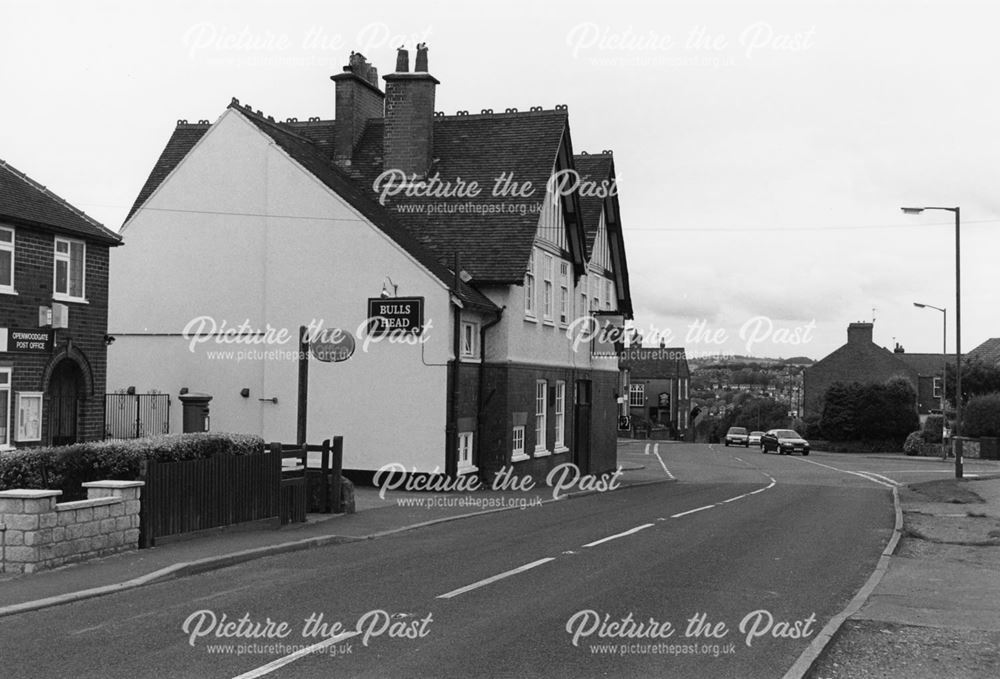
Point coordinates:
[[36, 532]]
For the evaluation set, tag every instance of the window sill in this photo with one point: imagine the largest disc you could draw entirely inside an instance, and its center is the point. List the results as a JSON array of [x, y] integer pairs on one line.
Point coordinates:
[[11, 291], [471, 469], [542, 453], [67, 298], [530, 319], [549, 322], [560, 449], [519, 457]]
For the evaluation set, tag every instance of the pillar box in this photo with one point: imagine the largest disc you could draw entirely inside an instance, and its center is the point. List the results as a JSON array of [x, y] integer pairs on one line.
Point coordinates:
[[195, 412]]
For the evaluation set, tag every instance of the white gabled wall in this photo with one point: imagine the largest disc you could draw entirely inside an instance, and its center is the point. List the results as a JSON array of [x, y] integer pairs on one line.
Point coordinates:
[[284, 251]]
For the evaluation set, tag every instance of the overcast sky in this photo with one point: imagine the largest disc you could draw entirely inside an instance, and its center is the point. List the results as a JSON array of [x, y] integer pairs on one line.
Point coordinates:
[[763, 149]]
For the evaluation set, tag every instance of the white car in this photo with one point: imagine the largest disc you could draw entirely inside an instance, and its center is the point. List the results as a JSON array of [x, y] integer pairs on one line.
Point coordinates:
[[755, 438]]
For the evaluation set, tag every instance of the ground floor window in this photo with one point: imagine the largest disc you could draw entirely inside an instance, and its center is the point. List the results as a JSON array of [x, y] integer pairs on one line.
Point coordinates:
[[465, 450], [517, 450], [29, 416], [637, 395], [541, 406], [560, 412]]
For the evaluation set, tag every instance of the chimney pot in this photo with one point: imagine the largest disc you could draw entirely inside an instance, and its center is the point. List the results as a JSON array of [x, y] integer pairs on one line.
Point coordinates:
[[421, 64], [358, 99], [402, 60]]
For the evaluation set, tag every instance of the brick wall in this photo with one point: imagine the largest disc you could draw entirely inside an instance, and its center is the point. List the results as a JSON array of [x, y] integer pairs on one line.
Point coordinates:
[[409, 122], [36, 532], [83, 339]]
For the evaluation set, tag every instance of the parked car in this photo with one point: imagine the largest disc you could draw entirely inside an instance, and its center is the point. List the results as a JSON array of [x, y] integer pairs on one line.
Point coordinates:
[[783, 441], [737, 436], [754, 439]]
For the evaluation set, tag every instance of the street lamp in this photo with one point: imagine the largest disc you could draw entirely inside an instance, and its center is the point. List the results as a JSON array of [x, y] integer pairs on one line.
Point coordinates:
[[944, 353], [958, 327]]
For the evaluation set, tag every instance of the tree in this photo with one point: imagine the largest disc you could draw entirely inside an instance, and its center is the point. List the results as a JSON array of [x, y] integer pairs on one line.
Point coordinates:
[[982, 416], [869, 411], [978, 378]]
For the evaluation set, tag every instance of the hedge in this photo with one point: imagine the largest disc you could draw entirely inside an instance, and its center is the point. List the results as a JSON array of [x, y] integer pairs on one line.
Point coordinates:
[[65, 468], [982, 416]]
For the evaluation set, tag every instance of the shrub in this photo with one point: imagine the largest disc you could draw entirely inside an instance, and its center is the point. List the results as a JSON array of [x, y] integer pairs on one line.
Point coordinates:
[[65, 468], [982, 416], [875, 412], [913, 442], [933, 429]]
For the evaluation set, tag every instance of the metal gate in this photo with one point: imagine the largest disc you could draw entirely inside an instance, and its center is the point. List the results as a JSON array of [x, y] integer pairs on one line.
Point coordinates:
[[132, 416]]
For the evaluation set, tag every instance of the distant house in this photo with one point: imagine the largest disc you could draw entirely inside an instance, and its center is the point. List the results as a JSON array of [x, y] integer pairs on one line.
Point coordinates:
[[53, 316], [988, 352], [861, 360], [250, 221], [658, 382]]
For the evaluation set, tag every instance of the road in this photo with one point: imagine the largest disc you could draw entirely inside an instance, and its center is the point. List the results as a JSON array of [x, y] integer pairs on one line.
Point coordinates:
[[735, 568]]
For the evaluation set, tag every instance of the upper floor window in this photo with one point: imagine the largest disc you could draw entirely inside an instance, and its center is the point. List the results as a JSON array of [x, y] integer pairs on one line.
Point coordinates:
[[547, 293], [529, 287], [564, 300], [608, 294], [70, 258], [6, 260], [4, 407], [637, 395], [937, 387], [470, 339]]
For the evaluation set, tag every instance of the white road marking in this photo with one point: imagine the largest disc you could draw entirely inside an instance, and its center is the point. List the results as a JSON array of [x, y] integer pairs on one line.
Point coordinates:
[[618, 535], [494, 578], [656, 449], [662, 464], [281, 662], [646, 451], [884, 478], [847, 471], [690, 511]]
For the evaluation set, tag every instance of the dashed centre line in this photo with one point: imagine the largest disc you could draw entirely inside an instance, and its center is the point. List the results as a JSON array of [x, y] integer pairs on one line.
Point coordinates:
[[618, 535]]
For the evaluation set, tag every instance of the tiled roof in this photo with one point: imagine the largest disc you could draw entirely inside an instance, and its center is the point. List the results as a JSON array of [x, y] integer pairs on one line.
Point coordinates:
[[924, 364], [185, 136], [26, 201], [988, 352], [305, 153], [655, 362], [494, 247]]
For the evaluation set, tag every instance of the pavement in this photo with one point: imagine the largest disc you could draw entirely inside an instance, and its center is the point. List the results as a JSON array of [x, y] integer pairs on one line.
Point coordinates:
[[375, 516], [935, 613]]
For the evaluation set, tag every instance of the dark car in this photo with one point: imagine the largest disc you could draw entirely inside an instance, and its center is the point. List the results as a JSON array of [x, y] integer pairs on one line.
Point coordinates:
[[784, 441], [737, 436]]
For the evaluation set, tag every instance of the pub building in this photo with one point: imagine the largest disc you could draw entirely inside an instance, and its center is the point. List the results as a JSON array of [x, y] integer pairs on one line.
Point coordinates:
[[53, 316], [469, 365]]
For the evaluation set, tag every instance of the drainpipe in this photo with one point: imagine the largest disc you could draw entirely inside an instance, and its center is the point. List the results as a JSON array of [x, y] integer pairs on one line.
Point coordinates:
[[481, 414], [451, 429]]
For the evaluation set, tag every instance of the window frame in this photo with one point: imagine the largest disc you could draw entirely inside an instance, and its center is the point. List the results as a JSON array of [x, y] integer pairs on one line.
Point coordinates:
[[636, 389], [541, 417], [559, 442], [466, 442], [67, 257], [530, 301], [564, 295], [517, 451], [548, 287], [470, 344], [10, 247], [936, 387]]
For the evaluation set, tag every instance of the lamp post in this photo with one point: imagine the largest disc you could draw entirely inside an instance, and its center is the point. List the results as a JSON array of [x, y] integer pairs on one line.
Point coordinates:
[[944, 354], [958, 327]]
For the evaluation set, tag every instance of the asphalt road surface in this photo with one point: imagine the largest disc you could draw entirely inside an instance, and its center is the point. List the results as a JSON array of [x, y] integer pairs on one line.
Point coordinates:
[[728, 572]]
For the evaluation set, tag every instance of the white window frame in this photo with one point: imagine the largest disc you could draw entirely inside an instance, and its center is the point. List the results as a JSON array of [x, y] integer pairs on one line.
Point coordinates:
[[564, 298], [465, 451], [470, 339], [595, 292], [607, 294], [5, 388], [560, 413], [548, 289], [10, 247], [23, 434], [541, 419], [529, 288], [937, 387], [637, 395], [517, 447], [67, 257], [583, 294]]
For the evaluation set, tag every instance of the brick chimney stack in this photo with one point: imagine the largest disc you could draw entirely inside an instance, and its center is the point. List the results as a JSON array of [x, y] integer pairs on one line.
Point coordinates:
[[358, 99], [409, 115], [859, 333]]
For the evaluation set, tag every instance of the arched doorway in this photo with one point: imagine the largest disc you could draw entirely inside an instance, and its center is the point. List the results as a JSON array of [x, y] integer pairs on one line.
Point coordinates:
[[65, 392]]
